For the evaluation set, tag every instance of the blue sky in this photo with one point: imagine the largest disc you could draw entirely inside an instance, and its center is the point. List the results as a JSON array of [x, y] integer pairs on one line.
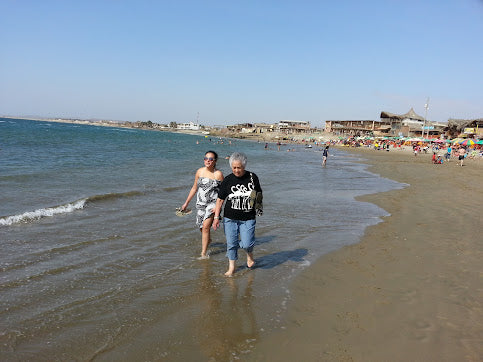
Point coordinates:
[[237, 61]]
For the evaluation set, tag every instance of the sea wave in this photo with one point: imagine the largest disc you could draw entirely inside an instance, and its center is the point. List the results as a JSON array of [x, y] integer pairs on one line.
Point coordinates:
[[116, 195], [174, 188], [40, 213], [63, 209]]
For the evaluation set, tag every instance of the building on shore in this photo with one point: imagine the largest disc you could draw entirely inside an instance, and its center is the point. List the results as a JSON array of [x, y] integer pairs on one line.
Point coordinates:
[[470, 128], [412, 124], [290, 127], [242, 128], [285, 127], [190, 126], [390, 124], [357, 127], [407, 124], [265, 127]]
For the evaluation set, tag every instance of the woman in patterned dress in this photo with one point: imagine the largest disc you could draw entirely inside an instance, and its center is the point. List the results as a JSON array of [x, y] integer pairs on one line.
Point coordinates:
[[207, 182]]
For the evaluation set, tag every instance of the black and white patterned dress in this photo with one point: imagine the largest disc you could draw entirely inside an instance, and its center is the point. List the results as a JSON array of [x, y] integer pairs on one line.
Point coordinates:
[[206, 198]]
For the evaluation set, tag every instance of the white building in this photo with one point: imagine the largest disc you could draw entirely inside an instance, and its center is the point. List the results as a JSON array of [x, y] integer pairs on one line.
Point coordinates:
[[294, 126], [189, 126]]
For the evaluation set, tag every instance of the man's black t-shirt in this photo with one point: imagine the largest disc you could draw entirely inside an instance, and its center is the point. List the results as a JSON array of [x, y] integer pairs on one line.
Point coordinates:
[[236, 192]]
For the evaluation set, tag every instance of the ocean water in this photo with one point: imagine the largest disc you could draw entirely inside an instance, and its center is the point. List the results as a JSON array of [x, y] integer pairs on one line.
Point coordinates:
[[95, 265]]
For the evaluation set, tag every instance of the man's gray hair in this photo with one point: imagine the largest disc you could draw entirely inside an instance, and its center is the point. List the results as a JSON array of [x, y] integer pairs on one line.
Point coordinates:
[[238, 156]]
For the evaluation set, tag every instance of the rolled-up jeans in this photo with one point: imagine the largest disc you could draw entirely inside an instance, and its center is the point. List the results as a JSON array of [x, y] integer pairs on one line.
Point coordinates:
[[246, 230]]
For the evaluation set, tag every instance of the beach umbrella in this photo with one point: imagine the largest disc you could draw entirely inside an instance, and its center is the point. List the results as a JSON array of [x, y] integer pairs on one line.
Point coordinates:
[[457, 140], [437, 140], [467, 142], [480, 142]]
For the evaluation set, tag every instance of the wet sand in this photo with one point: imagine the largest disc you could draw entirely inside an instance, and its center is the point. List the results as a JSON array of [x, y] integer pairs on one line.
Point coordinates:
[[412, 289]]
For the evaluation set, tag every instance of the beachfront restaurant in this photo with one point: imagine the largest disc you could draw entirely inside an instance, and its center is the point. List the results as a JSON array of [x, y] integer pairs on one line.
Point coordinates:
[[465, 128], [409, 124], [357, 127]]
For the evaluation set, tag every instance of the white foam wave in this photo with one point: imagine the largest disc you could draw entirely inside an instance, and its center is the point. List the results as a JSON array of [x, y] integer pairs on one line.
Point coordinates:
[[40, 213]]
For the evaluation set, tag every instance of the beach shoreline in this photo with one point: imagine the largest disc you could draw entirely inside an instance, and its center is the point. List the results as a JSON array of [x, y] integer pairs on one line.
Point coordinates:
[[270, 137], [411, 289]]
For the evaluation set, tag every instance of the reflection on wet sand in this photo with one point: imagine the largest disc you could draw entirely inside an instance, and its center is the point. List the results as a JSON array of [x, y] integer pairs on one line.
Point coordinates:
[[226, 324]]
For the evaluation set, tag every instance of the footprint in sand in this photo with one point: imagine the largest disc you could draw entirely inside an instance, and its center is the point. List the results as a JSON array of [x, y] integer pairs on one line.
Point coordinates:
[[420, 330], [409, 296]]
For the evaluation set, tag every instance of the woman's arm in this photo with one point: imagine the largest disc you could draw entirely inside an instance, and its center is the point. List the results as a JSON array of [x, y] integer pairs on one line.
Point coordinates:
[[219, 175], [193, 190]]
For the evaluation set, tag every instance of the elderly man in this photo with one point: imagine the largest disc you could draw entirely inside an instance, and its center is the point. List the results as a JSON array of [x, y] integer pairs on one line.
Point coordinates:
[[238, 191]]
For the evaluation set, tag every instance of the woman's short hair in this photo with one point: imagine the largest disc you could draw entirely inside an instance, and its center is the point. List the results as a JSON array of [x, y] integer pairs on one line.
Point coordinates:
[[214, 154], [238, 156]]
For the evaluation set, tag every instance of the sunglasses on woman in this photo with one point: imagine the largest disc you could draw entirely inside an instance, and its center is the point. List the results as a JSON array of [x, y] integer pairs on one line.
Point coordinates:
[[209, 159]]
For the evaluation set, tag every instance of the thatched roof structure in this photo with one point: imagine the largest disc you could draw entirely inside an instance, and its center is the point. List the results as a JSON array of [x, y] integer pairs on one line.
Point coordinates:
[[460, 124], [409, 115], [389, 115]]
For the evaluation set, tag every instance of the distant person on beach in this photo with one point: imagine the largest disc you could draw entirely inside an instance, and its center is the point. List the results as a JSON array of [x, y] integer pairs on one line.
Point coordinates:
[[237, 192], [325, 154], [266, 146], [207, 183], [461, 155], [448, 153]]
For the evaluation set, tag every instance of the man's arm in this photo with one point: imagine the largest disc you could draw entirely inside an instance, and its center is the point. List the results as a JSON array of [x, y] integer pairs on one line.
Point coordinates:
[[216, 221]]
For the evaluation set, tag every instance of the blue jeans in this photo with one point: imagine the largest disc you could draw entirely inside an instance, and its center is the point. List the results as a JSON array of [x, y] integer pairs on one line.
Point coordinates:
[[246, 230]]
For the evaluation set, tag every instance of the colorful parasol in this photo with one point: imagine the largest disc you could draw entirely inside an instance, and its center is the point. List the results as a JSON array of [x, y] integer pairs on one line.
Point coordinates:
[[457, 140], [467, 142]]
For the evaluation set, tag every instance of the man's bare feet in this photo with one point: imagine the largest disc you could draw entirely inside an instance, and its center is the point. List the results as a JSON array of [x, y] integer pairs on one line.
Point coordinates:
[[250, 260], [231, 268], [229, 273]]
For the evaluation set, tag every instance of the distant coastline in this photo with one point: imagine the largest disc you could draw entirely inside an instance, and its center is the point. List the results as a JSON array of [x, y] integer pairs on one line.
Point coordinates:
[[205, 131], [107, 123]]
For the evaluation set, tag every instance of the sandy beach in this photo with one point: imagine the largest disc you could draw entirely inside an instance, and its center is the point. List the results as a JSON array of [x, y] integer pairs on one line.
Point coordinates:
[[412, 289]]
